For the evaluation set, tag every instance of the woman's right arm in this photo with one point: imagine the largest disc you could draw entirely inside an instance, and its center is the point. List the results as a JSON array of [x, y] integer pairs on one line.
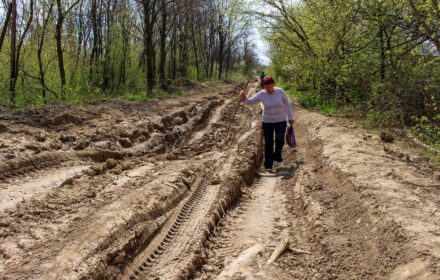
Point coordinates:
[[250, 101]]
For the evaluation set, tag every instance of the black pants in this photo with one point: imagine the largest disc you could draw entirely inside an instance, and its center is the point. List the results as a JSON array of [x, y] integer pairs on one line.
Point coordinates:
[[268, 131]]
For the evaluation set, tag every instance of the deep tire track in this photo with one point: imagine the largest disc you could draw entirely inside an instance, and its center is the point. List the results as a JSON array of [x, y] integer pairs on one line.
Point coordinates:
[[168, 235], [81, 198]]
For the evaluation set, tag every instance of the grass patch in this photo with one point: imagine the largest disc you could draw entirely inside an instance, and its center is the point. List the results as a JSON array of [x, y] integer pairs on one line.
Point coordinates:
[[210, 83], [310, 100], [91, 97], [142, 96], [400, 133], [432, 157]]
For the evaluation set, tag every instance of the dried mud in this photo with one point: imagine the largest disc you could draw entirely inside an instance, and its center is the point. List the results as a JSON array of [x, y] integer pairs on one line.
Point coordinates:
[[150, 190]]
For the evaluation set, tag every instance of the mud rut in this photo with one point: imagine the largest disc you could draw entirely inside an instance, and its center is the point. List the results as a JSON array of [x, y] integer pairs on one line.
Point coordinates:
[[148, 191]]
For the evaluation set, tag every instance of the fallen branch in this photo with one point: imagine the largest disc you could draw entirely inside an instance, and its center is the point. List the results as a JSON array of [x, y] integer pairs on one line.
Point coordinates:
[[241, 263], [299, 251], [420, 143], [279, 250]]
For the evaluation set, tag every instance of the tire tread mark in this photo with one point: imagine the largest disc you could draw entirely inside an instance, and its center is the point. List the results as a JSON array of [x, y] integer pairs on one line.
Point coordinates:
[[182, 217]]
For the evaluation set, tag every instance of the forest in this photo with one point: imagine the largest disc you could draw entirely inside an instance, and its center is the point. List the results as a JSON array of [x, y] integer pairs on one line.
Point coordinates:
[[380, 58], [53, 50]]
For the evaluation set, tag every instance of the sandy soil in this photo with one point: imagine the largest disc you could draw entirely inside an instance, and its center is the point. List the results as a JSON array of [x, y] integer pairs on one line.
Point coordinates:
[[357, 207], [150, 190]]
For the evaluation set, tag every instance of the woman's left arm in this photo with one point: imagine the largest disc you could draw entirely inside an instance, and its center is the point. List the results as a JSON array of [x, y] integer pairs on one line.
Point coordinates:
[[288, 107]]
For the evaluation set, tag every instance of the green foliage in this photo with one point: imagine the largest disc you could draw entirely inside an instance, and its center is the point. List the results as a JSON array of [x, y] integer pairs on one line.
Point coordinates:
[[239, 76], [432, 157], [427, 130], [310, 100], [362, 54], [81, 86], [388, 118], [118, 67]]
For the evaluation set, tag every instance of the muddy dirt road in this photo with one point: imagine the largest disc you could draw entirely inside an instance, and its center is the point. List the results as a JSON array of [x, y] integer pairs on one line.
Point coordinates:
[[148, 190]]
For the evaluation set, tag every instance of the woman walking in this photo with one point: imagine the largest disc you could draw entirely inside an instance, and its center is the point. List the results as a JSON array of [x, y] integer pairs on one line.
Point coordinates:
[[276, 112]]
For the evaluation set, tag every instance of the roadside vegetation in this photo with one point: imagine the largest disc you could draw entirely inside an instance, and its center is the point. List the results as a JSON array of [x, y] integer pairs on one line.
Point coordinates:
[[78, 51], [378, 58]]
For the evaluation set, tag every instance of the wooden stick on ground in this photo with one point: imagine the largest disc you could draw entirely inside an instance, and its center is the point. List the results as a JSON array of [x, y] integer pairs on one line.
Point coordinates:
[[299, 251], [279, 250]]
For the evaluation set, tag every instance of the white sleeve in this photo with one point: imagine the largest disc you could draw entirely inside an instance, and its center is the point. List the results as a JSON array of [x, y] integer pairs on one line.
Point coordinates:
[[288, 106], [253, 100]]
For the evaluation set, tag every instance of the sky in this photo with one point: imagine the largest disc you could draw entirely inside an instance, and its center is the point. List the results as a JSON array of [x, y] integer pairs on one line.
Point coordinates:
[[262, 49], [262, 46]]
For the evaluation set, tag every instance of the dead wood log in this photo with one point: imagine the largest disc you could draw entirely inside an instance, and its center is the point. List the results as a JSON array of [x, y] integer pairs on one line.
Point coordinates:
[[242, 262], [420, 143], [279, 250]]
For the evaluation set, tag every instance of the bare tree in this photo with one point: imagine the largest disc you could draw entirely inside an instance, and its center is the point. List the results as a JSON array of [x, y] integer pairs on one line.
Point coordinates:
[[16, 49], [59, 36], [430, 30], [114, 45], [13, 73], [5, 24], [41, 67]]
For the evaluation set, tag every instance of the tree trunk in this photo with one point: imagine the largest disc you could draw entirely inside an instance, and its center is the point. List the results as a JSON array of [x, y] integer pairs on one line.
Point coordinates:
[[107, 70], [125, 48], [174, 54], [13, 73], [163, 38], [150, 61], [5, 24], [149, 43], [382, 53], [228, 60], [15, 50], [183, 64], [196, 57], [40, 54], [80, 42], [427, 28], [58, 37], [26, 29], [95, 32], [220, 57]]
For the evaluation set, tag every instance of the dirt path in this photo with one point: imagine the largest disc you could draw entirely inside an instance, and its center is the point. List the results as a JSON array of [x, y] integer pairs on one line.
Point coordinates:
[[345, 205], [26, 187], [260, 218], [366, 220], [148, 190]]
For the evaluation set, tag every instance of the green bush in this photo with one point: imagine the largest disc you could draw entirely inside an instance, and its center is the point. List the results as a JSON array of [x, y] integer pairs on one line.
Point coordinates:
[[386, 118], [310, 100], [427, 130]]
